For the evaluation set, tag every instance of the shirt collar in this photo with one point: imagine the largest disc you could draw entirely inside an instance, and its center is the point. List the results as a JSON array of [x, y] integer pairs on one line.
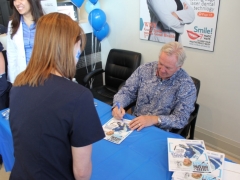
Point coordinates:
[[32, 26]]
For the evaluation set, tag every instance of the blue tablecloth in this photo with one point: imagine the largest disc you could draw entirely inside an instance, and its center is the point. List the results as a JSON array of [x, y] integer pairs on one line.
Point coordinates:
[[142, 155], [6, 143], [102, 108]]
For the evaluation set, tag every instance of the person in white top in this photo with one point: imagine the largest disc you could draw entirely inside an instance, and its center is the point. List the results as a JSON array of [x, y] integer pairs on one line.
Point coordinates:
[[20, 36]]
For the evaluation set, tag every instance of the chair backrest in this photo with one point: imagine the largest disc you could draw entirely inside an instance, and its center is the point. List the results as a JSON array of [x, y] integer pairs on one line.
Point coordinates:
[[197, 84], [189, 129], [120, 65]]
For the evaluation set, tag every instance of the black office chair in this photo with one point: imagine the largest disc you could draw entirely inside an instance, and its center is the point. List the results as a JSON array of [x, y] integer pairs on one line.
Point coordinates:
[[189, 129], [119, 67]]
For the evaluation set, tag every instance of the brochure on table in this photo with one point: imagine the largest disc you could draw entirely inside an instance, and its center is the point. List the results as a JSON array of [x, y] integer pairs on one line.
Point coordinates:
[[117, 130], [188, 155], [216, 163], [230, 171]]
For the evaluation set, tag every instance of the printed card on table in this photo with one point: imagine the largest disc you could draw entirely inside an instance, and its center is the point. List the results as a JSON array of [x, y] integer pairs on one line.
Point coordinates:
[[216, 163], [187, 155], [116, 130]]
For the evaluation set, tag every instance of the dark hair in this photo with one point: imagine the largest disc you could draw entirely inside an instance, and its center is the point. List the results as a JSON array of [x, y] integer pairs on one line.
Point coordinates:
[[56, 35], [36, 11]]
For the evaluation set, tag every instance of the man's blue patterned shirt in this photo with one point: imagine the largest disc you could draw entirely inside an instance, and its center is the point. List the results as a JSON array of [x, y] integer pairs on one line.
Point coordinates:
[[172, 99]]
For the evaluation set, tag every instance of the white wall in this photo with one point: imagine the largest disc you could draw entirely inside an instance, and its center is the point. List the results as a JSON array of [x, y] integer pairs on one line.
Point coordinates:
[[218, 71]]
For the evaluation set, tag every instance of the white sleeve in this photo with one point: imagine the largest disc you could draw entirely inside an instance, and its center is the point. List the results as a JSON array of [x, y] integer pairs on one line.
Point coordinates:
[[163, 14], [186, 15], [11, 55]]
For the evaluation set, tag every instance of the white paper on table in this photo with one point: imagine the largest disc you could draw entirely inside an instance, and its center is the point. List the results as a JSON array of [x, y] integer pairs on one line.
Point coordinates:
[[231, 171]]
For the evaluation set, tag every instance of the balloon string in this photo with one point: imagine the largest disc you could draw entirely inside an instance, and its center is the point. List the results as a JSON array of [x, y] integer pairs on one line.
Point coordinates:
[[95, 54], [99, 49], [85, 60], [86, 66], [92, 49], [99, 46]]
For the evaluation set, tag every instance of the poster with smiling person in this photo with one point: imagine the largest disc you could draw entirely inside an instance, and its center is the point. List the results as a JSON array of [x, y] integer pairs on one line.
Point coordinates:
[[190, 22]]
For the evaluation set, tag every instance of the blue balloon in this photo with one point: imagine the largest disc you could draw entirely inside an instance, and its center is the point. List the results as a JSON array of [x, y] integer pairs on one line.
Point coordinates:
[[97, 18], [89, 6], [102, 33], [77, 3], [94, 1]]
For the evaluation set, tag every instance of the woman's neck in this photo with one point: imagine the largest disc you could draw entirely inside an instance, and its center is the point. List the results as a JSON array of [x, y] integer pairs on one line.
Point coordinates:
[[28, 19], [56, 73]]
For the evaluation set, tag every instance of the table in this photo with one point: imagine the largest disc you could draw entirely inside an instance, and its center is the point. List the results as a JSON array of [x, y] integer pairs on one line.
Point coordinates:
[[142, 155]]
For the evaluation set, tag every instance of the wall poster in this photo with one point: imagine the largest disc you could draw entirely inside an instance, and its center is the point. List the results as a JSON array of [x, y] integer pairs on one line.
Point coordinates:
[[190, 22]]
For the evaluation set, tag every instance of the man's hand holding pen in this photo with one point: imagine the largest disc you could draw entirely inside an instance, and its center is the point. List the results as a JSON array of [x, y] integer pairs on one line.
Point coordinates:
[[118, 112]]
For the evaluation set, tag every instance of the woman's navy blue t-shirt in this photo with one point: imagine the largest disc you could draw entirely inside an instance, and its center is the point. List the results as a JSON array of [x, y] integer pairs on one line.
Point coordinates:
[[45, 122]]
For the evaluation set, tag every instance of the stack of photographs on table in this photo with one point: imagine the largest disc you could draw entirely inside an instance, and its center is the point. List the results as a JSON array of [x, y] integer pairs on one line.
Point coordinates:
[[189, 160]]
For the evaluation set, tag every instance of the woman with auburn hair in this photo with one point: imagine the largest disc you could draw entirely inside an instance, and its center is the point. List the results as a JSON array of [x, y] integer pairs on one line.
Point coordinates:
[[53, 120], [20, 36]]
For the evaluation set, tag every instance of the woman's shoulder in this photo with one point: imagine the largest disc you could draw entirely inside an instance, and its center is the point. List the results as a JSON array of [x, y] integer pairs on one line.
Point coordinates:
[[68, 85]]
